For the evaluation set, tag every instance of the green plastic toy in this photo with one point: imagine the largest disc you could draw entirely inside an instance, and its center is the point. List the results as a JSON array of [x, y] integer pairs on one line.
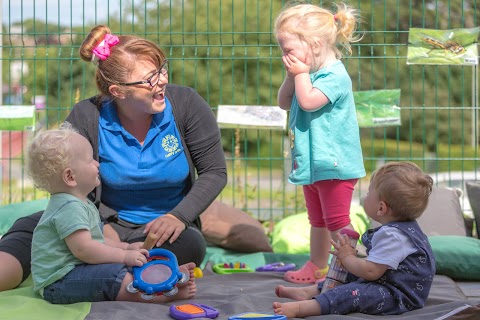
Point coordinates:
[[227, 268]]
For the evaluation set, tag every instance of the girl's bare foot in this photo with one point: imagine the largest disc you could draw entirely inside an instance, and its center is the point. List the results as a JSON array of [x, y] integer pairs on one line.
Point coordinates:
[[297, 309], [297, 293]]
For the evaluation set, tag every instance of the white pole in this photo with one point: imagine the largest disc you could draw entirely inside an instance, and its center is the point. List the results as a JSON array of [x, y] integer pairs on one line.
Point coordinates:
[[475, 88]]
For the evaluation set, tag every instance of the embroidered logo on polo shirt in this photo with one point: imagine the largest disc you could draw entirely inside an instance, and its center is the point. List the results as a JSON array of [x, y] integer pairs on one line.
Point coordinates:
[[170, 145]]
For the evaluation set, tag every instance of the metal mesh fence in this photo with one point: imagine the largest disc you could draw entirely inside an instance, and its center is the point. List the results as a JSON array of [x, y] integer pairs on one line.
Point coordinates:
[[227, 52]]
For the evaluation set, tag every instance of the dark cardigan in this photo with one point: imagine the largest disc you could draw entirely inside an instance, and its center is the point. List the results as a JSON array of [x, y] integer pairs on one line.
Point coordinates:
[[200, 137]]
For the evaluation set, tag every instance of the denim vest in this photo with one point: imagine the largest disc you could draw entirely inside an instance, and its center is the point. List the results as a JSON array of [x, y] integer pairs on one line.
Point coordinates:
[[412, 280]]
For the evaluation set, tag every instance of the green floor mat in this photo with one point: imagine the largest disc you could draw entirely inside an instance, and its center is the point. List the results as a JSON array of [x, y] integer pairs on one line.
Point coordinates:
[[23, 303]]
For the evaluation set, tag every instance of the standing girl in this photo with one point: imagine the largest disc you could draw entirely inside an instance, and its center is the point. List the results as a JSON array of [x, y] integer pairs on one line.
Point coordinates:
[[324, 134]]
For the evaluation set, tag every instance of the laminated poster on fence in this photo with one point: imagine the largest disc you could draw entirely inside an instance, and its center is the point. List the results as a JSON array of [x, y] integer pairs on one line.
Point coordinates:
[[443, 47], [251, 117], [378, 108], [17, 118]]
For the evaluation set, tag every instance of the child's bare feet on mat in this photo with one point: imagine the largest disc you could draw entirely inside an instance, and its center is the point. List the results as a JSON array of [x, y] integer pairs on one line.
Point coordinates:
[[297, 293], [288, 309], [297, 309]]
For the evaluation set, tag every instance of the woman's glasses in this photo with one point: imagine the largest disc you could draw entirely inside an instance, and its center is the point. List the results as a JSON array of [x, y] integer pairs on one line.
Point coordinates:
[[153, 80]]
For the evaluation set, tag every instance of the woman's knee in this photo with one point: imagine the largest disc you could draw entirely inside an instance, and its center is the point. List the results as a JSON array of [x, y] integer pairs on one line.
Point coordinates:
[[190, 246], [11, 272], [17, 246], [15, 251]]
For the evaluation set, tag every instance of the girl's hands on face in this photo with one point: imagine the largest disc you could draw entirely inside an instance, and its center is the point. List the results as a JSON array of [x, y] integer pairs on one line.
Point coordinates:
[[294, 66], [166, 227]]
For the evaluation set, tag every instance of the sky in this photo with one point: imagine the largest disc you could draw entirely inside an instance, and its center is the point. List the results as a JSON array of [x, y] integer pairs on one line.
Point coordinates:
[[64, 11]]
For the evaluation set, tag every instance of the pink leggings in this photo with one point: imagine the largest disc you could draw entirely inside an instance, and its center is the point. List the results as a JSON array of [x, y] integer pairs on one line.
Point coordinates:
[[328, 203]]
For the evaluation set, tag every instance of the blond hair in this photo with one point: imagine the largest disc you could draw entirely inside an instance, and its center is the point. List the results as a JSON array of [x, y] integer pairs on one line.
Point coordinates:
[[49, 153], [310, 22], [404, 188], [117, 68]]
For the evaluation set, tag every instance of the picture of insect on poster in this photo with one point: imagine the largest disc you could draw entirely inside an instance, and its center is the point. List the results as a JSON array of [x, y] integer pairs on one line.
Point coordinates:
[[455, 46]]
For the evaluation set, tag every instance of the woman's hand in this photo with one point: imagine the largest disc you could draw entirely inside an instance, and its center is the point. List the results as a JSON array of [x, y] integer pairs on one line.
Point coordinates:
[[166, 227], [294, 66]]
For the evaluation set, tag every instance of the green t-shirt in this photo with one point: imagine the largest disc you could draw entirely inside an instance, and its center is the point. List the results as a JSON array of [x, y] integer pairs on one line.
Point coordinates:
[[51, 257]]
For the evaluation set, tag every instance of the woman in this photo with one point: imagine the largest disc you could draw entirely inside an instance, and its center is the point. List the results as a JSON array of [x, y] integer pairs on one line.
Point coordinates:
[[161, 163]]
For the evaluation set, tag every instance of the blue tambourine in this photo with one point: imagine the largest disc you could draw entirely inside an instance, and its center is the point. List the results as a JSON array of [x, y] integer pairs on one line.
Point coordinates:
[[159, 275]]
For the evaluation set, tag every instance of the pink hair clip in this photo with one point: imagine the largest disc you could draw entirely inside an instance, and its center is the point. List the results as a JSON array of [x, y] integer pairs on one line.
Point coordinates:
[[334, 17], [102, 51]]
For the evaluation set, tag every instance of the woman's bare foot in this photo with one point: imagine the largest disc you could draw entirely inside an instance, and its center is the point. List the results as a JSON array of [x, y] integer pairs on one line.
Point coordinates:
[[187, 268], [187, 291], [297, 293], [298, 309]]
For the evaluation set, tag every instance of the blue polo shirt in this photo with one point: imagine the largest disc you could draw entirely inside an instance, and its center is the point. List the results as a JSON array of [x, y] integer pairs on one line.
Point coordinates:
[[141, 182]]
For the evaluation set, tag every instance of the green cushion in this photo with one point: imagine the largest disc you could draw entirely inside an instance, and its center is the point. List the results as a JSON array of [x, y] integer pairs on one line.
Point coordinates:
[[10, 213], [292, 234], [456, 256]]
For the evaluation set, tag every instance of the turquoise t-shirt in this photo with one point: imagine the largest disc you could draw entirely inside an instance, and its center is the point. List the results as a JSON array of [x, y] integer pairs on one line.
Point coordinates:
[[325, 144], [141, 182], [51, 257]]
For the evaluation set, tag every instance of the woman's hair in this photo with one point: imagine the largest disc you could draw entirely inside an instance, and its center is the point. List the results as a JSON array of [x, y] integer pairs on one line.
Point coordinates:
[[49, 153], [404, 188], [310, 22], [117, 67]]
